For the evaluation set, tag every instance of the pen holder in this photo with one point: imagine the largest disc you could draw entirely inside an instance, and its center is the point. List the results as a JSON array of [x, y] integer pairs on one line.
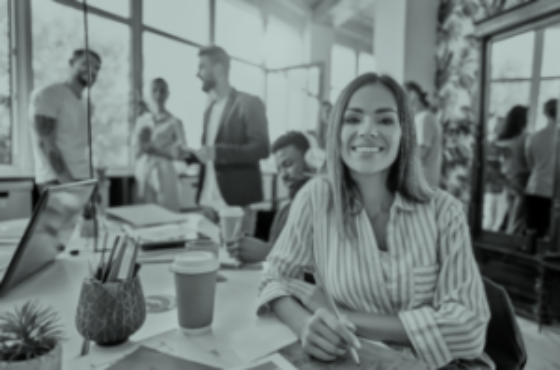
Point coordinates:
[[108, 314]]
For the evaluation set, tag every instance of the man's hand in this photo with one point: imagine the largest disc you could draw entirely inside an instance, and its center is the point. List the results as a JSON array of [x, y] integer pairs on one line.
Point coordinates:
[[249, 250], [205, 154]]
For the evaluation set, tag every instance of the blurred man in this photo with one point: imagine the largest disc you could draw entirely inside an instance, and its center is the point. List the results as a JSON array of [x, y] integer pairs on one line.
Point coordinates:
[[59, 124], [289, 152], [539, 152], [234, 140]]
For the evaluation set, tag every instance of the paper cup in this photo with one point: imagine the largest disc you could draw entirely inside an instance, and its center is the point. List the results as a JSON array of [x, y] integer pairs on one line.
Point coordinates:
[[195, 286], [231, 220]]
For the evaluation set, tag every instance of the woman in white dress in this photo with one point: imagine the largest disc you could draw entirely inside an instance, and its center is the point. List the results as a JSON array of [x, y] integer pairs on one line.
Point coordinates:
[[158, 135]]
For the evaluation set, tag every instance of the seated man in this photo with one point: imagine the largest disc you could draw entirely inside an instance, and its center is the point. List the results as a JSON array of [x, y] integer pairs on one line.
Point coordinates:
[[289, 152]]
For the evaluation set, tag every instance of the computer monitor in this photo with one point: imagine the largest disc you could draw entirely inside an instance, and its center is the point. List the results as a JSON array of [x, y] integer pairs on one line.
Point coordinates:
[[53, 222]]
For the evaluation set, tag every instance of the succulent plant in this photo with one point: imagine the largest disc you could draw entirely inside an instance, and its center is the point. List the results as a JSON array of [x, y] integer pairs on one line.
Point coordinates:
[[28, 332]]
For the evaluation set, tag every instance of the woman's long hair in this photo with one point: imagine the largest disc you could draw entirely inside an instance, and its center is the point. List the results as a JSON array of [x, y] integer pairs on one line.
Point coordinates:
[[514, 124], [405, 176]]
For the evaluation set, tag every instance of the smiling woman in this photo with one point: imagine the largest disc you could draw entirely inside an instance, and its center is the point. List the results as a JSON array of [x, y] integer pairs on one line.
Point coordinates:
[[393, 253]]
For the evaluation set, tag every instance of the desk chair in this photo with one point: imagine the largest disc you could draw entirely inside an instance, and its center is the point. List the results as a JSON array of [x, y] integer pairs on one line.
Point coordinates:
[[504, 342]]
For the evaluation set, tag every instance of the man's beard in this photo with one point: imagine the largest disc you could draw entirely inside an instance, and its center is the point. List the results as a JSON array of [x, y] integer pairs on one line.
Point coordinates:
[[208, 85], [84, 81]]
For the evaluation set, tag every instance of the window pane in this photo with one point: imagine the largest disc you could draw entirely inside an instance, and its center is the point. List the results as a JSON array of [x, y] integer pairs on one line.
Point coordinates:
[[276, 102], [549, 89], [334, 94], [284, 46], [366, 63], [57, 31], [343, 66], [247, 78], [503, 96], [313, 81], [513, 57], [239, 30], [188, 19], [118, 7], [186, 101], [551, 53], [5, 98]]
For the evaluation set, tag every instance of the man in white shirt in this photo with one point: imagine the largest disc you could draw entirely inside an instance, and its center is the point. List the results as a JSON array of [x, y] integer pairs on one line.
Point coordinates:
[[235, 139], [59, 130]]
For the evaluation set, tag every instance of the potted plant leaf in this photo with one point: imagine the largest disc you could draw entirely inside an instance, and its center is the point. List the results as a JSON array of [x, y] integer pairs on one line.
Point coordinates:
[[30, 339]]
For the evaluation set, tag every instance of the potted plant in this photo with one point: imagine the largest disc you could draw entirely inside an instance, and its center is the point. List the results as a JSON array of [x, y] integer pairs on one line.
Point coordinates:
[[30, 339]]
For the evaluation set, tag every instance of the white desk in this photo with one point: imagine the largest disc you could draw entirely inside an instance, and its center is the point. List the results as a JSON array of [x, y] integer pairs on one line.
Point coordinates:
[[59, 285]]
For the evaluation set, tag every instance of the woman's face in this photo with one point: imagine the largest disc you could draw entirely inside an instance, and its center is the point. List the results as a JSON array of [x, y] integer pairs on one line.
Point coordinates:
[[159, 93], [370, 133]]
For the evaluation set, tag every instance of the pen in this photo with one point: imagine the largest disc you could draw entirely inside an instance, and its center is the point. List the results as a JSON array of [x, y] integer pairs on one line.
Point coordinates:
[[331, 303]]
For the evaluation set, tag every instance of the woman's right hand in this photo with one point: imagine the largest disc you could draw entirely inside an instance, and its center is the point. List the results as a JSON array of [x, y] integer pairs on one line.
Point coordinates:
[[326, 338]]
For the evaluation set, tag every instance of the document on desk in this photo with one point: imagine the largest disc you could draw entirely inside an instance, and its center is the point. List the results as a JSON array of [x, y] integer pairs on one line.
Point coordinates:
[[274, 362], [267, 336], [144, 358]]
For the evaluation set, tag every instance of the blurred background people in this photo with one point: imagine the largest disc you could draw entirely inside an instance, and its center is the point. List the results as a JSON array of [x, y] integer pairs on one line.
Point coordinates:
[[315, 156], [235, 139], [428, 132], [540, 152], [495, 195], [156, 141], [514, 170], [60, 124], [289, 152]]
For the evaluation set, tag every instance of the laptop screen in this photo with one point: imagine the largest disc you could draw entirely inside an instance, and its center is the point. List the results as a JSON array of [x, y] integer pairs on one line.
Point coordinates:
[[53, 222]]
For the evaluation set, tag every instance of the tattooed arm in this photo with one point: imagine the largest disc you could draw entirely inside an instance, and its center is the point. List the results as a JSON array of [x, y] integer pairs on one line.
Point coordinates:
[[46, 127]]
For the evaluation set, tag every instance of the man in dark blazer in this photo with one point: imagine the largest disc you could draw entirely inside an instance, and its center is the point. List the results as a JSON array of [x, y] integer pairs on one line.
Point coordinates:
[[235, 138]]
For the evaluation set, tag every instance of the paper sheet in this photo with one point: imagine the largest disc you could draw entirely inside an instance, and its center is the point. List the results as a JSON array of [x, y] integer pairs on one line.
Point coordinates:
[[268, 336], [144, 358], [274, 362]]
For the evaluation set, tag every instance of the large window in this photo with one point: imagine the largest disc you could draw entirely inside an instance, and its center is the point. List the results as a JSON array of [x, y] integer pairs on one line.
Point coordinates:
[[5, 96], [186, 19], [239, 29], [517, 80], [283, 45], [57, 31], [347, 64]]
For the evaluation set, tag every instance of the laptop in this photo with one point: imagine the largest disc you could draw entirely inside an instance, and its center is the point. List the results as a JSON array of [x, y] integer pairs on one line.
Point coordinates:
[[51, 226]]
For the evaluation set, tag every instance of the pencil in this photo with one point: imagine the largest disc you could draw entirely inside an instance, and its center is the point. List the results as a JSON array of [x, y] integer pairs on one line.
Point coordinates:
[[331, 303]]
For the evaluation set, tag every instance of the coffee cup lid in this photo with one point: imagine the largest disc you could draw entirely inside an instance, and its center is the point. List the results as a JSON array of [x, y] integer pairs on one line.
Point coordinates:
[[231, 211], [195, 262]]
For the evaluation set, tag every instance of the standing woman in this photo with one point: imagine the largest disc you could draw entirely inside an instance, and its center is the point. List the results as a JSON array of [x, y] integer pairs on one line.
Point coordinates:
[[515, 171], [157, 138], [428, 132], [394, 253]]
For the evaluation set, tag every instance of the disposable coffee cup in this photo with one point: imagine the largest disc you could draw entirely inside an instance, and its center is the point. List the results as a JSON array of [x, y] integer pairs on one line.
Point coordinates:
[[231, 219], [204, 245], [195, 287]]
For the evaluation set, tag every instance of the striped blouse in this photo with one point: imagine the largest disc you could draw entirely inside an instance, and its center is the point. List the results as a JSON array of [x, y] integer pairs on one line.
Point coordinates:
[[427, 276]]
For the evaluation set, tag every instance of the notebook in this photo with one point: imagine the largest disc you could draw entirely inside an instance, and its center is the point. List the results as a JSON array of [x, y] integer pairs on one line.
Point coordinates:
[[142, 215]]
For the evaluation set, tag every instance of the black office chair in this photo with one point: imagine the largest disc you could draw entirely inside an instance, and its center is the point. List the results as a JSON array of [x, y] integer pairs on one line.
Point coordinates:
[[504, 342]]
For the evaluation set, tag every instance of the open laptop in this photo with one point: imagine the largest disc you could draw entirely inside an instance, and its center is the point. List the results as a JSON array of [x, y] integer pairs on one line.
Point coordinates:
[[50, 228]]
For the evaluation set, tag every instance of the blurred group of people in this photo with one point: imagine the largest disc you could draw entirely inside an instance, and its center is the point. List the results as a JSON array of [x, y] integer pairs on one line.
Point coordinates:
[[520, 176]]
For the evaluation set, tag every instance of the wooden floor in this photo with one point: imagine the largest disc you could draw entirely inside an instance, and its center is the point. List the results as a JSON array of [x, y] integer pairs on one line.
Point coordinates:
[[543, 348]]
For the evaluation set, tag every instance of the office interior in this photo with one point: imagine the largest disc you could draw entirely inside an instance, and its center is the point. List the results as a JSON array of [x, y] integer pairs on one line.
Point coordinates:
[[476, 59]]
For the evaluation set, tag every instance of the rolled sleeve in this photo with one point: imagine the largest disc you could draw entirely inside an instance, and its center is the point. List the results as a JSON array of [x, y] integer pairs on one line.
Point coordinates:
[[454, 327], [292, 253]]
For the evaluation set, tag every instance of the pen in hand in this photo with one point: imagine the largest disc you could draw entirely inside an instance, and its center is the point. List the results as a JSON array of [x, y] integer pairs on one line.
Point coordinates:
[[340, 317]]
